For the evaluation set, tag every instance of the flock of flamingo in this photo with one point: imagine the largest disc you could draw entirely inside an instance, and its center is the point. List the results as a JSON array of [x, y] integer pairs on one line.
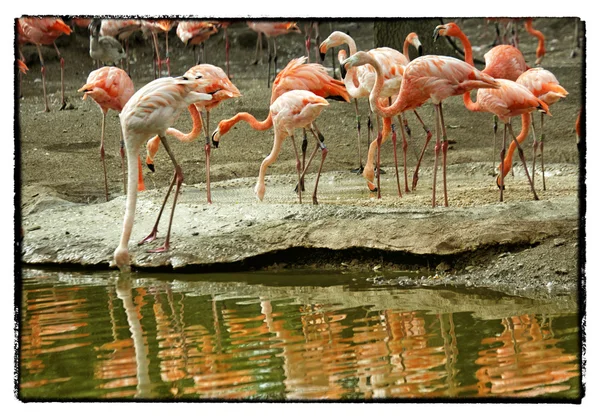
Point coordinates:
[[506, 87]]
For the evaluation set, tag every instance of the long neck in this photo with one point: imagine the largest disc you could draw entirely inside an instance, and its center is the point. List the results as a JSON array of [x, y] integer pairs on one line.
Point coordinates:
[[122, 252], [539, 35], [226, 125], [196, 127], [405, 48], [469, 104], [389, 111], [347, 39], [467, 47], [525, 123]]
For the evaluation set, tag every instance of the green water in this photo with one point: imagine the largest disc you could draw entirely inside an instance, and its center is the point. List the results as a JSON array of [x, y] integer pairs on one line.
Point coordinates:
[[274, 336]]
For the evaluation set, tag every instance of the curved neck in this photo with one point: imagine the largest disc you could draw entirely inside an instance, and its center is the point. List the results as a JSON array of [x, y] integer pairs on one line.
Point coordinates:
[[525, 123], [196, 127], [226, 125], [469, 104], [346, 39], [385, 111], [467, 47]]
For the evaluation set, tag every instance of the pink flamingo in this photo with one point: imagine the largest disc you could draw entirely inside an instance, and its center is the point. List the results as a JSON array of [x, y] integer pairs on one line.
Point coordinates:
[[154, 26], [360, 81], [44, 31], [196, 32], [297, 75], [545, 86], [510, 99], [151, 111], [110, 88], [501, 62], [271, 30], [540, 50], [432, 77], [293, 109], [224, 89]]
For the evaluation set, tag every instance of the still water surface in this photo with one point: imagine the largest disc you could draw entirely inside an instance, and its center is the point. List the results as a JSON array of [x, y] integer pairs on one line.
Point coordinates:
[[300, 336]]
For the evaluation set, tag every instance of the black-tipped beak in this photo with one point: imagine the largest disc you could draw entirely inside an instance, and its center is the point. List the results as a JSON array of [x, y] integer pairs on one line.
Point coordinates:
[[436, 34], [343, 71], [322, 54], [420, 50], [150, 166], [503, 187], [214, 142]]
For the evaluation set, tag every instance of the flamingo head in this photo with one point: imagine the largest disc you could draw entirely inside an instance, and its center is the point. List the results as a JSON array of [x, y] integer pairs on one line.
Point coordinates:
[[449, 29], [356, 60], [414, 40], [336, 38]]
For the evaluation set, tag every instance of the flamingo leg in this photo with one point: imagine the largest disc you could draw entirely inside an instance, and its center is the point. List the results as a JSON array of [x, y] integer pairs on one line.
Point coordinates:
[[46, 107], [429, 135], [535, 148], [502, 154], [495, 128], [167, 59], [227, 51], [444, 154], [298, 168], [178, 178], [258, 45], [522, 156], [396, 159], [153, 234], [360, 168], [404, 152], [542, 151], [207, 153], [321, 145], [275, 57], [269, 57], [437, 149], [62, 78], [317, 43], [158, 61], [102, 156]]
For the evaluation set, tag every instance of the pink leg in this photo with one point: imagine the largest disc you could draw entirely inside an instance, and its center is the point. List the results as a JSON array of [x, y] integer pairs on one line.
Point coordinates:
[[298, 168], [207, 153], [62, 78], [535, 148], [178, 178], [437, 149], [522, 156], [102, 156], [46, 107], [444, 153], [429, 135], [227, 51], [502, 155], [542, 138], [360, 168], [396, 160], [379, 165], [153, 234]]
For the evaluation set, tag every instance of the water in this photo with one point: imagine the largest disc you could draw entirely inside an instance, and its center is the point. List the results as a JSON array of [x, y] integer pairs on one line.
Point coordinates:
[[291, 336]]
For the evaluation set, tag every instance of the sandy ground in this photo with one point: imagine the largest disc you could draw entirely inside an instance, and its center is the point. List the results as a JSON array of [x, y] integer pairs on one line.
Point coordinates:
[[59, 150]]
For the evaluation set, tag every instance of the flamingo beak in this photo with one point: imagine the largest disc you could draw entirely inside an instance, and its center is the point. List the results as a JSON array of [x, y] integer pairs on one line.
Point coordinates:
[[150, 166], [436, 33], [216, 136], [420, 50], [343, 71]]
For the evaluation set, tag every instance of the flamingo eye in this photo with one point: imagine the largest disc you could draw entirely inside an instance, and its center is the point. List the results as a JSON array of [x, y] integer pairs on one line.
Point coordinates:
[[199, 76]]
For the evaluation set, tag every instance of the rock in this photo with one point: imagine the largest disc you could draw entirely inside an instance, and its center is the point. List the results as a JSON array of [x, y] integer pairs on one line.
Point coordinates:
[[443, 267], [559, 242]]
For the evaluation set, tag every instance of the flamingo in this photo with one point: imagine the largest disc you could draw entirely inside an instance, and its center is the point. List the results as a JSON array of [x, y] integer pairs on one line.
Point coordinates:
[[297, 75], [501, 62], [293, 109], [44, 31], [432, 77], [309, 27], [360, 81], [224, 89], [578, 127], [271, 30], [121, 29], [545, 86], [151, 111], [510, 99], [110, 88], [196, 32], [153, 26], [104, 49]]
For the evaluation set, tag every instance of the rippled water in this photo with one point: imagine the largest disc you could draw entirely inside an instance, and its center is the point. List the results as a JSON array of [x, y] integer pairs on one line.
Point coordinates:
[[274, 336]]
